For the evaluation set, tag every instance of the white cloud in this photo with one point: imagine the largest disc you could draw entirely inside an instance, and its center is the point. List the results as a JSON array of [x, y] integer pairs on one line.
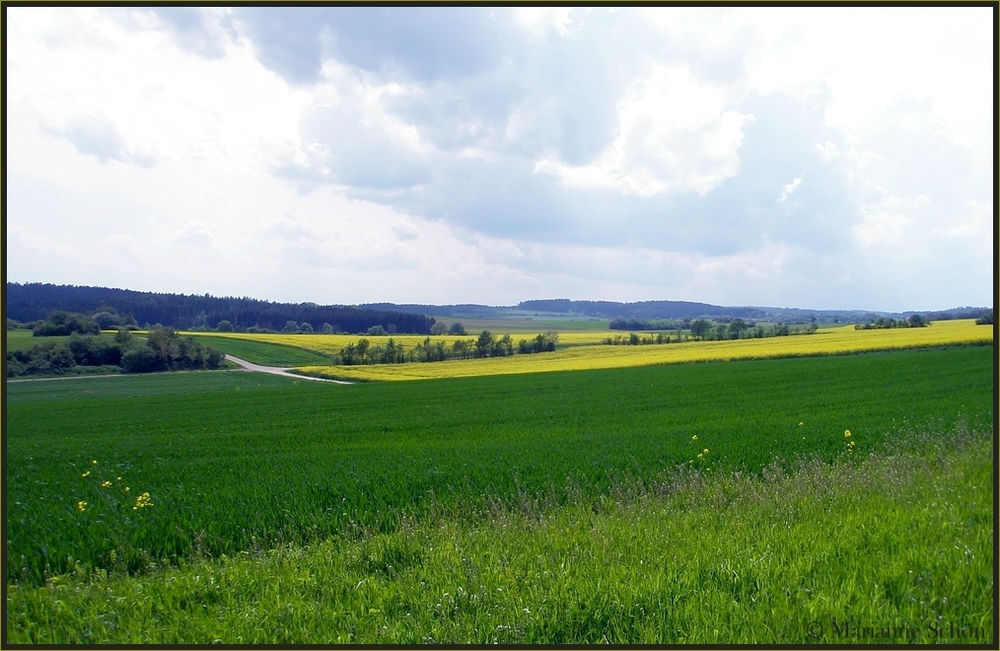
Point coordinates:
[[675, 135], [789, 188], [628, 155]]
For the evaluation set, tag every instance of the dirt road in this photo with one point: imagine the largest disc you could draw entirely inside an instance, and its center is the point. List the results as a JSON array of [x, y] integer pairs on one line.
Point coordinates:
[[274, 370]]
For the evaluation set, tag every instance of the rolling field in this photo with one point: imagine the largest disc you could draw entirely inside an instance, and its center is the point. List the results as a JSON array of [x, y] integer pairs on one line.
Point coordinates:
[[235, 461], [260, 352], [894, 549], [566, 506], [23, 339], [581, 351]]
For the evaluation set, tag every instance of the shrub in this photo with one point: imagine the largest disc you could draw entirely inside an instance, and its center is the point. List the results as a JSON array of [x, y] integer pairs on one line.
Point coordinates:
[[139, 359], [60, 324]]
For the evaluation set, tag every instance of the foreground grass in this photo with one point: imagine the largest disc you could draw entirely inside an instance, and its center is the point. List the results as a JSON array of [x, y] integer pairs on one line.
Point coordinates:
[[581, 351], [237, 461], [895, 547]]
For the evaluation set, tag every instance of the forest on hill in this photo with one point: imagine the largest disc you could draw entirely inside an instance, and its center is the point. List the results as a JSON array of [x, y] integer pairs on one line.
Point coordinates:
[[35, 301]]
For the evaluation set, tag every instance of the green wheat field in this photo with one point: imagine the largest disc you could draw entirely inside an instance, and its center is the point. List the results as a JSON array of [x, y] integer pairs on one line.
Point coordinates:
[[828, 500]]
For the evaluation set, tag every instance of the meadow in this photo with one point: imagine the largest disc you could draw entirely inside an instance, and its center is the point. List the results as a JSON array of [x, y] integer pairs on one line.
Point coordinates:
[[894, 548], [128, 485]]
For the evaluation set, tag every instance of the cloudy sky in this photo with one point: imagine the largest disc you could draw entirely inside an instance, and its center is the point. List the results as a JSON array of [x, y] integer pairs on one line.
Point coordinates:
[[800, 157]]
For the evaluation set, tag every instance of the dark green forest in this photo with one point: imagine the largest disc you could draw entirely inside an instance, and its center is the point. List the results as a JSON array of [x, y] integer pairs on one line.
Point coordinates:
[[35, 301]]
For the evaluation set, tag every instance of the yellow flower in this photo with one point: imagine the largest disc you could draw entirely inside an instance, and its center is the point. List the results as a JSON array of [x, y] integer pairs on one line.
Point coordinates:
[[800, 423], [847, 433], [81, 506], [700, 456], [705, 451], [93, 462], [85, 474], [127, 489], [105, 484], [694, 438], [142, 501], [118, 479]]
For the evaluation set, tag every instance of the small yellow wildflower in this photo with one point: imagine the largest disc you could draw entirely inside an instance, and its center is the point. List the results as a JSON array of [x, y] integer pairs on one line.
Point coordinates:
[[800, 423], [81, 506], [847, 433], [694, 438], [105, 484], [700, 456], [705, 451], [118, 479], [142, 502], [93, 462], [85, 474], [127, 489]]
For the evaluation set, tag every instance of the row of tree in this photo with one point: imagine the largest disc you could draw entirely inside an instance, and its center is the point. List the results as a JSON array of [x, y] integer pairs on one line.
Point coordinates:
[[161, 350], [912, 321], [704, 330], [485, 345]]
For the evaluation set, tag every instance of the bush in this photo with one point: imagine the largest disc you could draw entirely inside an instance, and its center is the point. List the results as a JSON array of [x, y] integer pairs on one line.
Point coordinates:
[[224, 326], [139, 359], [60, 324], [95, 350]]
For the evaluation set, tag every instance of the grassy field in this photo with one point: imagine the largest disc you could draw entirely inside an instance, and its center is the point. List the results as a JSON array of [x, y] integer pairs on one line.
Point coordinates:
[[895, 548], [234, 461], [708, 503], [260, 352], [24, 339]]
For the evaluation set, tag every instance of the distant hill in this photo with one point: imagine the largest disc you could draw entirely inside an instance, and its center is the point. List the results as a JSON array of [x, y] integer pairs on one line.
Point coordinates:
[[665, 310], [34, 301]]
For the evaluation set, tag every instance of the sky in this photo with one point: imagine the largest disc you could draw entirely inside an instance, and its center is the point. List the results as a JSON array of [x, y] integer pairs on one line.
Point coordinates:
[[811, 157]]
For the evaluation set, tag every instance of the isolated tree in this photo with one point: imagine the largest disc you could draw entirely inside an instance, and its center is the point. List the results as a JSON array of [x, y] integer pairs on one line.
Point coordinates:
[[224, 326], [362, 348], [484, 343], [461, 348], [106, 320], [327, 329], [307, 328], [290, 326], [456, 329], [699, 328], [377, 331], [736, 328]]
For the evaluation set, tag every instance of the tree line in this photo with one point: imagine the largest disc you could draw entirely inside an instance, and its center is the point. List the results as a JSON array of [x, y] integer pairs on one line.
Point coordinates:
[[881, 323], [704, 330], [34, 301], [485, 345]]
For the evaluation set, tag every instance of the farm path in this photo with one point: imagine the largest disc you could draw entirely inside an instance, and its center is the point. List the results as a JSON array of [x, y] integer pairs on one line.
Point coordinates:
[[274, 370]]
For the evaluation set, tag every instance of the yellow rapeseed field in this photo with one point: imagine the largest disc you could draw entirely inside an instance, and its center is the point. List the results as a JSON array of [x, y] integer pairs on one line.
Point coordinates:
[[596, 355]]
